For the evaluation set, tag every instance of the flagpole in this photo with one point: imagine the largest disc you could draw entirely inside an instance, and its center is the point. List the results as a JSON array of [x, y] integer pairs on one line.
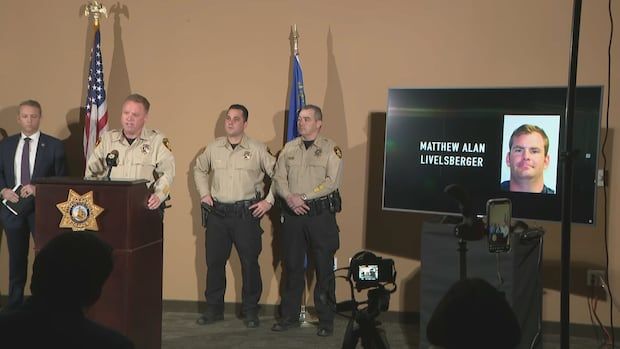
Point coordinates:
[[297, 98], [304, 317], [295, 40]]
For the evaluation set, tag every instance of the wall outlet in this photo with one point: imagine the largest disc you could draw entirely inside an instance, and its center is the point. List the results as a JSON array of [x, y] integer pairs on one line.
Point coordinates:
[[594, 277], [600, 178]]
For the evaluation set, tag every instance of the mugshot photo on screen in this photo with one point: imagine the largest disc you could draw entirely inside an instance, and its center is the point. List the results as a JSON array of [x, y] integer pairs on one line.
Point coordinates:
[[530, 148]]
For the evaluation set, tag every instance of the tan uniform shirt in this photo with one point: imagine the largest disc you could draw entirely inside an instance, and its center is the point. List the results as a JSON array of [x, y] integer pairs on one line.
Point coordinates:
[[148, 157], [315, 171], [235, 174]]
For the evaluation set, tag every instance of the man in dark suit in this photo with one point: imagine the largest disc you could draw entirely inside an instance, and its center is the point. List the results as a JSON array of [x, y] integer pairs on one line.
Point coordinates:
[[24, 157], [67, 277]]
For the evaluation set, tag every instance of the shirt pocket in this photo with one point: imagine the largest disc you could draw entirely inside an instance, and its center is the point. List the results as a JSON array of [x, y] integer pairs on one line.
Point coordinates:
[[318, 162], [144, 166], [247, 168], [293, 162], [219, 163], [247, 161]]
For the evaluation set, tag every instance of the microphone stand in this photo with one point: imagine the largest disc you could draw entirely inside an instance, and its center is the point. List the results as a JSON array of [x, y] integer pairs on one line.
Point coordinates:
[[462, 259], [107, 176], [111, 160], [567, 180]]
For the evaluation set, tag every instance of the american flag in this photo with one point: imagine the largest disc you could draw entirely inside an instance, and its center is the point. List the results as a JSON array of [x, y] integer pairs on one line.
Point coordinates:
[[96, 121]]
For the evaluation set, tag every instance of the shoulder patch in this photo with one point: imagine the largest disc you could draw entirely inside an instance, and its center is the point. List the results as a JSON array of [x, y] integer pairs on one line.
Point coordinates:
[[338, 151], [166, 143]]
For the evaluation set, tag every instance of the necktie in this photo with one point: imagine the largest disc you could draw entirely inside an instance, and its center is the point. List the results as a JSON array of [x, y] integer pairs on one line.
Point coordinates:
[[25, 175]]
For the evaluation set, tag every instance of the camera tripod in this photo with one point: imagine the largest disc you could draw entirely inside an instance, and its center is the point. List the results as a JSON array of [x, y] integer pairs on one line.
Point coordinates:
[[363, 327]]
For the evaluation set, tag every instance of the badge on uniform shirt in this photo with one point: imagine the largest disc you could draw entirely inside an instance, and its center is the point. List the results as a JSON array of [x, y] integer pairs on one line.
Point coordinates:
[[247, 155], [318, 152], [167, 143], [338, 151], [146, 148]]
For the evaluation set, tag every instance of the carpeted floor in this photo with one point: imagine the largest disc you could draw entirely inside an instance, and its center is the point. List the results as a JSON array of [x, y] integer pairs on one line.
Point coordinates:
[[181, 332]]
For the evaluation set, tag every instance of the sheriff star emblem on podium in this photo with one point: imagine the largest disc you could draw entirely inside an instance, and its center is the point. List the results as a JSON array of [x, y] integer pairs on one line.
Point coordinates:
[[79, 212]]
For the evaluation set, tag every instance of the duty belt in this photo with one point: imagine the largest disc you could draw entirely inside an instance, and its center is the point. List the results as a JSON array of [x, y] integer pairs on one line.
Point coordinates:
[[318, 205], [328, 203], [238, 209]]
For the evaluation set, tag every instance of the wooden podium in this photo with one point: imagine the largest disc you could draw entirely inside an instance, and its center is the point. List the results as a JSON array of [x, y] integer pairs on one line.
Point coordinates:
[[131, 301]]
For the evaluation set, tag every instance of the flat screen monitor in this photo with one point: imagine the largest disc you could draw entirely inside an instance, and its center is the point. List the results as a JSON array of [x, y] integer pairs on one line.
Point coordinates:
[[495, 143]]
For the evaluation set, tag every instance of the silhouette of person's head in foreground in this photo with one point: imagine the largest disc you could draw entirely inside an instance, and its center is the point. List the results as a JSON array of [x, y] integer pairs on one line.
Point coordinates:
[[71, 270], [473, 314], [67, 277]]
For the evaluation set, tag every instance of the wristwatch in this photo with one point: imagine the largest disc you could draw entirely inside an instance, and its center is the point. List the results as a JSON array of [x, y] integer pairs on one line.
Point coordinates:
[[304, 197]]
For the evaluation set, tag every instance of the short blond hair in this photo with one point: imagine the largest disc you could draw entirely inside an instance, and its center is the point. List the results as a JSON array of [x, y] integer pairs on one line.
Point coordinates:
[[527, 129]]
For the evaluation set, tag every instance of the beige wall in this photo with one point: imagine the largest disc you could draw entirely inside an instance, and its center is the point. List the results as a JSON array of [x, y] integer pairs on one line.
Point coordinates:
[[194, 58]]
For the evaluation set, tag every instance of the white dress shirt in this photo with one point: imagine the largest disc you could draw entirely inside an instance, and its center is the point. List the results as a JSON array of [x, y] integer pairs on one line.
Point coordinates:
[[34, 143]]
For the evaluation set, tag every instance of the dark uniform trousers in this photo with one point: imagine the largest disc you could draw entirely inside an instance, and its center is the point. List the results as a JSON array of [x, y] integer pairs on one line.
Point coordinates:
[[317, 234], [221, 232], [17, 229]]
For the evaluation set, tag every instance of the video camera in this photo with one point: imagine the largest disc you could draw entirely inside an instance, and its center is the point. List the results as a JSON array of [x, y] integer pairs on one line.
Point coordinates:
[[367, 270]]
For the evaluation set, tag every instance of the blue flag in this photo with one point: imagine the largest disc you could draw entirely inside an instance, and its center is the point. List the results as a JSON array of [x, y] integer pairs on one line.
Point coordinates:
[[297, 99]]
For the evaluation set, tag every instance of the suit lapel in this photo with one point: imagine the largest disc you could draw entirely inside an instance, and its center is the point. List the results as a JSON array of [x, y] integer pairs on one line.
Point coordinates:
[[41, 153], [10, 165]]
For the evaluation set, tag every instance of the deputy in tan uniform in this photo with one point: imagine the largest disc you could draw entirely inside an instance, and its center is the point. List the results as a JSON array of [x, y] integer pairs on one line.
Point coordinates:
[[307, 178], [233, 204], [142, 153]]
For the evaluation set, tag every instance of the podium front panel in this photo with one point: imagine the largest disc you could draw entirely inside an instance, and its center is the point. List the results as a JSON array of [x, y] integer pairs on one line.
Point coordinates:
[[131, 299]]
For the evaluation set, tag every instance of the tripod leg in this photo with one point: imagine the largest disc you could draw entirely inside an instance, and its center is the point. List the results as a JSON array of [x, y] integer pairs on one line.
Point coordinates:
[[382, 339], [377, 339], [372, 337], [351, 336]]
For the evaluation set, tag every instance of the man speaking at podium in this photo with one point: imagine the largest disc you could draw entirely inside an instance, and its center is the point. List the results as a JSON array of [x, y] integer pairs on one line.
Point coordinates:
[[25, 157], [139, 152]]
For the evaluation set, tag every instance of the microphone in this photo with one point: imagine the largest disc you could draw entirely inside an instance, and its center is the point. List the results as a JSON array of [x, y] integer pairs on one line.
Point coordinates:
[[112, 158], [471, 228], [459, 194], [112, 161]]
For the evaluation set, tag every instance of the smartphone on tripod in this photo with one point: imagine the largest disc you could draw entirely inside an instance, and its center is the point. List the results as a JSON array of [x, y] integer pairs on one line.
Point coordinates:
[[499, 215]]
